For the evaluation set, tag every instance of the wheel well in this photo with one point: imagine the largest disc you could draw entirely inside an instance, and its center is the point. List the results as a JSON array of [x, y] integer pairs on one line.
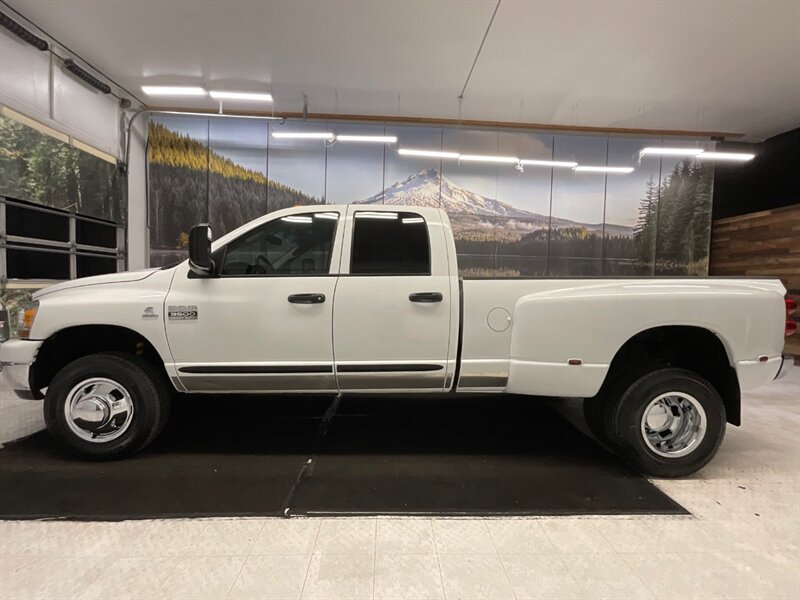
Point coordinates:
[[72, 343], [692, 348]]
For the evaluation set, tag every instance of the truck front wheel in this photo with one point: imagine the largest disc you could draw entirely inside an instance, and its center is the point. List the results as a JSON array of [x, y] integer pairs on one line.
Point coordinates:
[[668, 423], [106, 406]]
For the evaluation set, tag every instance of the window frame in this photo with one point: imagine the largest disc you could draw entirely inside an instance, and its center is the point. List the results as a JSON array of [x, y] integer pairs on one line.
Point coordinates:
[[71, 247], [222, 253], [429, 272]]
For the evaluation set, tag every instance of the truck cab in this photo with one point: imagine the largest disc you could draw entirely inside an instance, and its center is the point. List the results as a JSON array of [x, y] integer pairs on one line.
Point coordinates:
[[374, 287]]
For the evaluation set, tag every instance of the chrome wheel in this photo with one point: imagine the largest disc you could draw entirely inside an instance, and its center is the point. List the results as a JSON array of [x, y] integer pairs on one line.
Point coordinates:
[[98, 410], [674, 424]]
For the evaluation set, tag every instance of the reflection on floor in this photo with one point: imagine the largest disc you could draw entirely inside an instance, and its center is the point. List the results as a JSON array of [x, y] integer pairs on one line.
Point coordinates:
[[742, 542]]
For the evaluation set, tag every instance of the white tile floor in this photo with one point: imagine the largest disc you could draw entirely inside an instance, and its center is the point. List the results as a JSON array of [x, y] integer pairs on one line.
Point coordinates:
[[742, 542]]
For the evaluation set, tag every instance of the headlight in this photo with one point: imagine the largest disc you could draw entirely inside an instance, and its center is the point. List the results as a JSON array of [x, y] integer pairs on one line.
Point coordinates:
[[25, 317]]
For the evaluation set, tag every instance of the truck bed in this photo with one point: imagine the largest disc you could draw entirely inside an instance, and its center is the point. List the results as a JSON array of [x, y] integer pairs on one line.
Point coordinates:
[[522, 333]]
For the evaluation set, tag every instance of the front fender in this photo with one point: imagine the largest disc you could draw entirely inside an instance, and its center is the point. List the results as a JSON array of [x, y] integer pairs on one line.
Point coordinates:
[[136, 305]]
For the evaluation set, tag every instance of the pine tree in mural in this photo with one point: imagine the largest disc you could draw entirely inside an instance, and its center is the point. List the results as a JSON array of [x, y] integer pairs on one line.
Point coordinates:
[[644, 232], [675, 221], [701, 220]]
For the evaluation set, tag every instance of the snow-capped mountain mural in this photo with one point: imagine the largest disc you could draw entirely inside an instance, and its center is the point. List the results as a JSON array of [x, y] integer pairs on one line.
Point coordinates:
[[657, 219], [429, 188]]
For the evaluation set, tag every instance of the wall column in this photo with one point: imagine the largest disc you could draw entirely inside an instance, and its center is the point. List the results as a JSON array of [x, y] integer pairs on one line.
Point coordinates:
[[138, 230]]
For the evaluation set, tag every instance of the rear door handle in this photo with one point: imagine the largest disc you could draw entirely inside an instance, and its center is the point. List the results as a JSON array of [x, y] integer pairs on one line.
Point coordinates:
[[307, 298], [425, 297]]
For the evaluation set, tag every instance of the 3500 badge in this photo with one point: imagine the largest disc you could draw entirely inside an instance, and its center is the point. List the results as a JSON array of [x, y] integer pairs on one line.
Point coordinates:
[[182, 313]]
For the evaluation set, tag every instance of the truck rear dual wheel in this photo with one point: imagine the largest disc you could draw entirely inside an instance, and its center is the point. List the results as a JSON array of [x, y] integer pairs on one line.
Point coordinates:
[[667, 423], [106, 406]]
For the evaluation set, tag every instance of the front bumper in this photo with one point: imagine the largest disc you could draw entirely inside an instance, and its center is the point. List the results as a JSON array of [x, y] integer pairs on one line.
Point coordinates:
[[786, 364], [17, 357]]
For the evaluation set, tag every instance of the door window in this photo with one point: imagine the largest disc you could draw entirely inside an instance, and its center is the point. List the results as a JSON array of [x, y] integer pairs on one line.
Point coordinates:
[[390, 243], [292, 245]]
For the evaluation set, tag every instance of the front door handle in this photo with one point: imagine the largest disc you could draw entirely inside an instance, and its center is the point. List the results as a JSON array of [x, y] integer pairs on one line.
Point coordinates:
[[307, 298], [425, 297]]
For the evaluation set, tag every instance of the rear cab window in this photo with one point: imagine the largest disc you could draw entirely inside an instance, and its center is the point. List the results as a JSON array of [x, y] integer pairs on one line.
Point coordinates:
[[390, 243]]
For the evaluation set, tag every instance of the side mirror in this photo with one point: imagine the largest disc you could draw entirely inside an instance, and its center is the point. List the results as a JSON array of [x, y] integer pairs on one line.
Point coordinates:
[[200, 250]]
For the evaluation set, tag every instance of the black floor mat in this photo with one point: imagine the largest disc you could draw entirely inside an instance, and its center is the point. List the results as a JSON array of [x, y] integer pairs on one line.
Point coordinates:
[[250, 456]]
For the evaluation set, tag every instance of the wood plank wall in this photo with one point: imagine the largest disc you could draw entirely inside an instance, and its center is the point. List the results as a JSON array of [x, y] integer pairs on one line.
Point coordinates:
[[758, 244]]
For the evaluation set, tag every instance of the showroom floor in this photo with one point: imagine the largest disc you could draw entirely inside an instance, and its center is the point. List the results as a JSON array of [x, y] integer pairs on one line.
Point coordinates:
[[742, 542]]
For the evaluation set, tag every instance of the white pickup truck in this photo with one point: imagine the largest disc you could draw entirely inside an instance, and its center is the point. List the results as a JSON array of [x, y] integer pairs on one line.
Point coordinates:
[[355, 299]]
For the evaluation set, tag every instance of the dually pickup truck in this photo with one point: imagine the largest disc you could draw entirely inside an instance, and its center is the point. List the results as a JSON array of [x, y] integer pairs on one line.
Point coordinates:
[[355, 299]]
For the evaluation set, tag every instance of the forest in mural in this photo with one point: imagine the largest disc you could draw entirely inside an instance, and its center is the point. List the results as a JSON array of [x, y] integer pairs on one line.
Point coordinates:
[[183, 175], [506, 223], [674, 221], [38, 168]]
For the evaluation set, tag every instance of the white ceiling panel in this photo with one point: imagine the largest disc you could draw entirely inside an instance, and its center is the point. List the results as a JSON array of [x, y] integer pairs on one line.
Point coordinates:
[[704, 65]]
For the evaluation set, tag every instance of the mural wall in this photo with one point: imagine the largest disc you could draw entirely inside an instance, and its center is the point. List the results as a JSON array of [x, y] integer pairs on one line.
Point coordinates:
[[508, 222], [38, 168]]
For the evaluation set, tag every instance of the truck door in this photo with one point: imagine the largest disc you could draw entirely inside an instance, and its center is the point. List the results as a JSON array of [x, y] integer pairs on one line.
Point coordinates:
[[392, 311], [264, 324]]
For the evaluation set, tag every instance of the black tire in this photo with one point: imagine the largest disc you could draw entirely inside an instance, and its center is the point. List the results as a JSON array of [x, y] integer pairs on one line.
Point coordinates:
[[148, 391], [625, 422], [598, 411]]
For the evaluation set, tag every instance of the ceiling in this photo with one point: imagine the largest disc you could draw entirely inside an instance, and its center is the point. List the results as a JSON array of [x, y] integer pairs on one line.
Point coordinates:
[[702, 65]]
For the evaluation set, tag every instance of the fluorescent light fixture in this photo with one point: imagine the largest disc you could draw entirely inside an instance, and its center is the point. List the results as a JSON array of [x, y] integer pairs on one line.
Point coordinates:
[[219, 95], [492, 159], [173, 90], [589, 169], [332, 216], [670, 151], [303, 135], [548, 163], [378, 139], [296, 219], [365, 214], [427, 153], [735, 156], [411, 220]]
